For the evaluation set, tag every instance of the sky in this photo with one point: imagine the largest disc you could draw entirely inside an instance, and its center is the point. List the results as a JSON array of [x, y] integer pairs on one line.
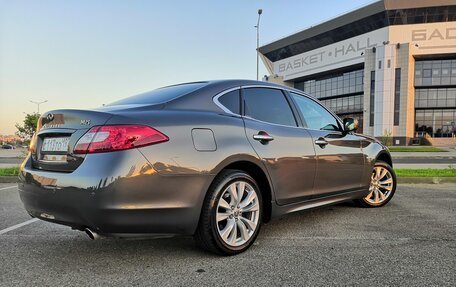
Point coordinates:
[[82, 54]]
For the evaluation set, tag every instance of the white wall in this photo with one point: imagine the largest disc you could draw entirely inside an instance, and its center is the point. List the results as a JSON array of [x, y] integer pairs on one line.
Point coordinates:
[[384, 89]]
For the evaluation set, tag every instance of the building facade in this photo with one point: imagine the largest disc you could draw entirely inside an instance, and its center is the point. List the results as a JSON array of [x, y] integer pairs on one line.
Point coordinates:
[[391, 64]]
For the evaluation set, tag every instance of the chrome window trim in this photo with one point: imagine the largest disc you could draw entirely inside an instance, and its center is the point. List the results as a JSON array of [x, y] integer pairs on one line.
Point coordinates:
[[256, 120], [216, 101], [289, 90]]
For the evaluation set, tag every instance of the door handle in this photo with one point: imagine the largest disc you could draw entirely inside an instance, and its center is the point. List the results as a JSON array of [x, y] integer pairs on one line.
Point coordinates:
[[321, 142], [263, 137]]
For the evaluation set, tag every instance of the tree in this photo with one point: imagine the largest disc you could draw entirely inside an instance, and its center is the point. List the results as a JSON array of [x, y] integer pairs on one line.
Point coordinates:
[[26, 131], [387, 138]]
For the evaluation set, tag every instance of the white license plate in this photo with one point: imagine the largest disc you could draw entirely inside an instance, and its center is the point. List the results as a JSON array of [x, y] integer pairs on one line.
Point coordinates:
[[55, 144]]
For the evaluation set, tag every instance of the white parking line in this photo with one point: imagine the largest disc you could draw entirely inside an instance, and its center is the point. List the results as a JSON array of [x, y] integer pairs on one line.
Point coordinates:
[[8, 187], [3, 231]]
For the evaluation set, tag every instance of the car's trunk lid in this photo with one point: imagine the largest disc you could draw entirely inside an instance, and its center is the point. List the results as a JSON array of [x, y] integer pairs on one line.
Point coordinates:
[[58, 132]]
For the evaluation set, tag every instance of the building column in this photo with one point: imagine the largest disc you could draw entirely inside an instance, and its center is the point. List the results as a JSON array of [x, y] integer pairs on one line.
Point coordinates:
[[384, 90]]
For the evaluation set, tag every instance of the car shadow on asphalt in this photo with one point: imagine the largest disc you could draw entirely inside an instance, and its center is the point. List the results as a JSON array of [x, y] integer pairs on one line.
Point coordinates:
[[301, 223]]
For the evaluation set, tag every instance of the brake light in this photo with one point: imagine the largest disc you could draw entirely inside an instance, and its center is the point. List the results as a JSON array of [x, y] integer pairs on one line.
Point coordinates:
[[117, 137]]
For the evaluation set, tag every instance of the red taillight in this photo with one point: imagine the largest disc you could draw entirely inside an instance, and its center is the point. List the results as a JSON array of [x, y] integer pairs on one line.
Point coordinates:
[[117, 137]]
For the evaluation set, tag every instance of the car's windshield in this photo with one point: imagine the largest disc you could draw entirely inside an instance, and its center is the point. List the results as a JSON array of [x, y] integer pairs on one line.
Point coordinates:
[[161, 95]]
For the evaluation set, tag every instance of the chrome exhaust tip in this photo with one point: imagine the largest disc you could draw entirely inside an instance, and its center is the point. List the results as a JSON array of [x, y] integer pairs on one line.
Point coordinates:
[[92, 235]]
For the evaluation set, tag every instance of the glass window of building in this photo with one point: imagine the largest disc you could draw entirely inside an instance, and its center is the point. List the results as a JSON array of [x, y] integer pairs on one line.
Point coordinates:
[[334, 85], [435, 72], [372, 99], [435, 97], [397, 95], [435, 122]]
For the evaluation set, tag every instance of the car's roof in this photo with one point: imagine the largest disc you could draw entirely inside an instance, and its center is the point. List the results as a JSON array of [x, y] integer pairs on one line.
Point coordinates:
[[201, 99], [229, 83]]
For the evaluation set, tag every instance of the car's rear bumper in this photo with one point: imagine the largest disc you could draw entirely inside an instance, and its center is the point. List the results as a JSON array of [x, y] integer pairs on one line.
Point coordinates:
[[118, 193]]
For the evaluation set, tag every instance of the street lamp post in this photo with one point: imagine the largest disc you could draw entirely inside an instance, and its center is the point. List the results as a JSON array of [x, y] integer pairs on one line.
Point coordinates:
[[38, 104], [260, 11]]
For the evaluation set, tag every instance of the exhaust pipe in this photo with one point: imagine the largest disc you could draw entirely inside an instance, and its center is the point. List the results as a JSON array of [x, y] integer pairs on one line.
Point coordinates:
[[92, 234]]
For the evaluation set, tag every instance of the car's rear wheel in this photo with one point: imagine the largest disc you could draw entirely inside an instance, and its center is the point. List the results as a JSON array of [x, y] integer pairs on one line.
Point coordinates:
[[232, 214], [382, 186]]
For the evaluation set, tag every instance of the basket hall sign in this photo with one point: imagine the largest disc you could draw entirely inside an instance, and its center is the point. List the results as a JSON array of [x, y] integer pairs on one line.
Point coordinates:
[[330, 57], [440, 36]]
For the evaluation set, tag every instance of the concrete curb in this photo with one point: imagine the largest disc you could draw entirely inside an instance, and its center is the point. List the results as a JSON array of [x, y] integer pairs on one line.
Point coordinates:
[[9, 179], [418, 180]]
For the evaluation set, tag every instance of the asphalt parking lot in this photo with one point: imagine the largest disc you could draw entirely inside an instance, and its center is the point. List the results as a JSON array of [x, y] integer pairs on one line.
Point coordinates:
[[409, 242]]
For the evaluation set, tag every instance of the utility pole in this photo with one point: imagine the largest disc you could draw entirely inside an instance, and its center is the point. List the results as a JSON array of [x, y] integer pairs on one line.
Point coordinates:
[[260, 11], [38, 104]]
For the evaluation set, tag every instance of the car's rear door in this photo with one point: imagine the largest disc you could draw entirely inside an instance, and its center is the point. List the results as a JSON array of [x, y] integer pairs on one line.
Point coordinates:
[[286, 150], [340, 160]]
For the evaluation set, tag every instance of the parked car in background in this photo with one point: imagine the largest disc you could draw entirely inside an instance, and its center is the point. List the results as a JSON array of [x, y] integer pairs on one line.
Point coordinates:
[[211, 159], [8, 146]]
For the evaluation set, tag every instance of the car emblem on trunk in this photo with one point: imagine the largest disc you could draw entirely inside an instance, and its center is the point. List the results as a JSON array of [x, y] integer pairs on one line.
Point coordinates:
[[49, 117], [85, 122], [52, 121]]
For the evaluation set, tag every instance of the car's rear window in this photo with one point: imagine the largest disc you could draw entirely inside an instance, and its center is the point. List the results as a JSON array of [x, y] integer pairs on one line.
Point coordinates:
[[162, 95]]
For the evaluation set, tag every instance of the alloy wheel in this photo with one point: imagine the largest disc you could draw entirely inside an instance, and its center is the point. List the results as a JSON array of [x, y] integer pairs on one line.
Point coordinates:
[[381, 185], [237, 213]]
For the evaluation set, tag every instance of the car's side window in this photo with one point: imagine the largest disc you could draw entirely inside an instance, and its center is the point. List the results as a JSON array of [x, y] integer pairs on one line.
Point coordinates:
[[231, 101], [315, 116], [268, 105]]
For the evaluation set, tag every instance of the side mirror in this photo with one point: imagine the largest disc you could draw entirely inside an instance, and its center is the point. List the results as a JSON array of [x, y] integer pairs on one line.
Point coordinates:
[[350, 124]]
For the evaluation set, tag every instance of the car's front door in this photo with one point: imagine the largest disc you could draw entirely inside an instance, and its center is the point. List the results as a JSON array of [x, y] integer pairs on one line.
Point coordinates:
[[340, 160], [285, 149]]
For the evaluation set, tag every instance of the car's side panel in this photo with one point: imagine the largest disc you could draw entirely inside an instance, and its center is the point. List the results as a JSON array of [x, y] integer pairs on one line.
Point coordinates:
[[289, 159], [179, 157], [340, 163]]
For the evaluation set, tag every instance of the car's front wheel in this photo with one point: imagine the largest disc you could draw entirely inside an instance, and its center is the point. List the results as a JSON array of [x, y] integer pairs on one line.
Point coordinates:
[[382, 186], [232, 215]]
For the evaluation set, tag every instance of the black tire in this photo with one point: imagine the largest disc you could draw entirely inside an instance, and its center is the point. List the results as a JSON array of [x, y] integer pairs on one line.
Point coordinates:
[[363, 202], [207, 236]]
